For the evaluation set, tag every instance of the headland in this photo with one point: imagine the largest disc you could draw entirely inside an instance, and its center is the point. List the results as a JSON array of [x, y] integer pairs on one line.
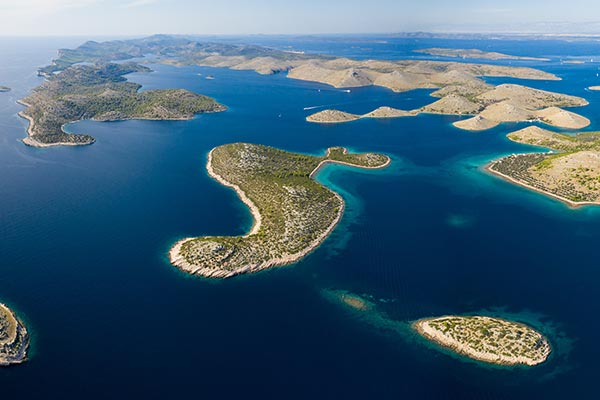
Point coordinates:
[[101, 92], [569, 173]]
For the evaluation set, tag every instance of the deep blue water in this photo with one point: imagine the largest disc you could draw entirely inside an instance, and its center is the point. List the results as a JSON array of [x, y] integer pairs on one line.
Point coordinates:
[[84, 234]]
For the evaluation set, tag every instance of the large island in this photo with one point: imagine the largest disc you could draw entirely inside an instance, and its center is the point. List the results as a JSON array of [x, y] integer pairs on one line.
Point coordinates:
[[487, 339], [475, 53], [570, 172], [101, 92], [459, 86], [292, 212], [14, 340]]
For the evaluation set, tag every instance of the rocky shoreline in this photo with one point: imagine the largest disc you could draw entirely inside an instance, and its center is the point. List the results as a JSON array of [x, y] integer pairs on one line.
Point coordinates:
[[14, 338], [178, 259], [487, 339]]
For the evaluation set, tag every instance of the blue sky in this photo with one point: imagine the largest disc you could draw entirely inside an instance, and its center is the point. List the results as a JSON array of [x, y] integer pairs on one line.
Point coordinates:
[[138, 17]]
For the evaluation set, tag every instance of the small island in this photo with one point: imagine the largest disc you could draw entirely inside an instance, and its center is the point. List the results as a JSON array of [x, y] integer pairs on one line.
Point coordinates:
[[332, 117], [487, 339], [292, 212], [4, 89], [570, 172], [14, 339], [475, 53], [336, 116], [102, 93]]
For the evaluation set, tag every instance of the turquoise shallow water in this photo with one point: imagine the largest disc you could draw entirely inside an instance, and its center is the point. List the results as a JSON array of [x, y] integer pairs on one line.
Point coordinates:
[[84, 235]]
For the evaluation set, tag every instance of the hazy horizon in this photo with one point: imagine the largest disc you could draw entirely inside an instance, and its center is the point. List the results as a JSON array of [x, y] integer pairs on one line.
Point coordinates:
[[275, 17]]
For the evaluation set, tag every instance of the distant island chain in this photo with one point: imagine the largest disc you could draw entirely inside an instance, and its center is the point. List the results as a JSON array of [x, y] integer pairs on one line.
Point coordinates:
[[84, 83]]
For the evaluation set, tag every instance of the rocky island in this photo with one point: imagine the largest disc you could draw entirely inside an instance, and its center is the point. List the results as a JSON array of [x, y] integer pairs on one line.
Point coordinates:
[[570, 172], [487, 339], [14, 340], [292, 212], [475, 53], [101, 92], [503, 103], [4, 89], [332, 117], [336, 116]]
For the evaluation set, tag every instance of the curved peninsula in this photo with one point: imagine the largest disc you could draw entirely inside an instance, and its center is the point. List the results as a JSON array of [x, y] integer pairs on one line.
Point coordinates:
[[101, 92], [487, 339], [292, 212], [570, 172], [4, 89], [14, 340]]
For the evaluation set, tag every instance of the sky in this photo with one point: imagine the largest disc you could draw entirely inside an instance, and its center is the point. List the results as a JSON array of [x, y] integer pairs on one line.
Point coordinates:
[[234, 17]]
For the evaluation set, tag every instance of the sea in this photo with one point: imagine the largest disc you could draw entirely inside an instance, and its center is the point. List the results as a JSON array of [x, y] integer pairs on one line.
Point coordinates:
[[85, 231]]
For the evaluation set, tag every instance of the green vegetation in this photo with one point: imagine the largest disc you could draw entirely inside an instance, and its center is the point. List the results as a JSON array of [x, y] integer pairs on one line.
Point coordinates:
[[14, 339], [101, 92], [572, 174], [487, 339], [294, 213]]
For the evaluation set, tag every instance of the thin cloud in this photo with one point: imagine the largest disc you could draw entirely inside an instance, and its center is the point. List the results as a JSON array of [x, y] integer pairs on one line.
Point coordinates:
[[17, 5], [139, 3]]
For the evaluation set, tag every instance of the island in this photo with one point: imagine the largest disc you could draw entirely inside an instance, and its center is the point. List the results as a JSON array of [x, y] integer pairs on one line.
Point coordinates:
[[487, 339], [102, 93], [503, 103], [336, 116], [594, 88], [475, 53], [292, 212], [458, 86], [332, 117], [570, 172], [516, 103], [4, 89], [14, 339]]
